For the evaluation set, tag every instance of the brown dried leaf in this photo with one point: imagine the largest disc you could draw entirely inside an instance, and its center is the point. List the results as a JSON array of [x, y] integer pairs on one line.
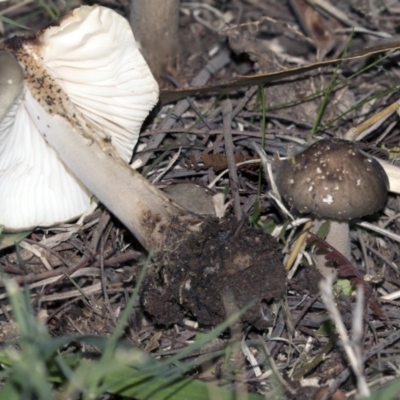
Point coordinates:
[[347, 270], [314, 25], [218, 162]]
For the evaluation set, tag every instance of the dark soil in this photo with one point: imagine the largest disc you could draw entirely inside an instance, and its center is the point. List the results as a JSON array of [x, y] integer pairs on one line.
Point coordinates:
[[226, 260], [228, 265]]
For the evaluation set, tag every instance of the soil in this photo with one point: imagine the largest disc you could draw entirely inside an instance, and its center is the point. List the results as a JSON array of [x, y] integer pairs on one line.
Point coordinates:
[[226, 265], [225, 260]]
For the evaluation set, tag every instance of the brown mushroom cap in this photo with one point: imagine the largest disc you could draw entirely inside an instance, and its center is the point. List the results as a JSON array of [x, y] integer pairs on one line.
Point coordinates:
[[333, 179]]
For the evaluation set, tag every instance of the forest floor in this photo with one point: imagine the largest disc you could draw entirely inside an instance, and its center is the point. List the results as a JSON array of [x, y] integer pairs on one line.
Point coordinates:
[[187, 150]]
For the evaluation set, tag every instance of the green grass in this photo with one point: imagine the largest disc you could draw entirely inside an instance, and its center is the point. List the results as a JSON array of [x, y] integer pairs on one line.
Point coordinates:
[[40, 366]]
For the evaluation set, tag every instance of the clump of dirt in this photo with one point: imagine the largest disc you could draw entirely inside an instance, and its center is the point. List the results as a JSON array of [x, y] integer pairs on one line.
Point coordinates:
[[225, 260]]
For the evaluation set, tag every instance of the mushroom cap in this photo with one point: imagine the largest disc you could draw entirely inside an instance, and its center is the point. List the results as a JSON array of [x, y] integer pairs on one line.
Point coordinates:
[[92, 54], [11, 81], [333, 179], [93, 57], [36, 187]]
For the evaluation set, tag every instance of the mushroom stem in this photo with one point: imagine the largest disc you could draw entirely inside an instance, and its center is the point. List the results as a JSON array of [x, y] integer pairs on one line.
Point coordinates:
[[339, 238], [140, 206], [155, 26]]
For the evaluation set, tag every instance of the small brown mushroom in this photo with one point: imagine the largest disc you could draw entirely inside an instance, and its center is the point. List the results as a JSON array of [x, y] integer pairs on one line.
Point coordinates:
[[333, 180]]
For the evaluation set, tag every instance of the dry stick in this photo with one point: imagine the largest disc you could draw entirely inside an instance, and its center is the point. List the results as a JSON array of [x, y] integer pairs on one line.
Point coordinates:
[[215, 64], [86, 291], [243, 101], [41, 295], [52, 252], [233, 176], [391, 264], [360, 131], [352, 349], [335, 12], [361, 241], [298, 245], [15, 8], [103, 277], [272, 133], [97, 233], [305, 309], [132, 255], [204, 132], [344, 375]]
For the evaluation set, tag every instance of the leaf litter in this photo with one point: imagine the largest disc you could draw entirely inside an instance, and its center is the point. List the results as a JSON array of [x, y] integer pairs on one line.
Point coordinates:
[[92, 266]]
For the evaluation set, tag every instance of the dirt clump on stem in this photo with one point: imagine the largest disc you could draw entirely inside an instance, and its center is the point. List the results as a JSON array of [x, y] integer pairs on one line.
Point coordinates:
[[224, 258]]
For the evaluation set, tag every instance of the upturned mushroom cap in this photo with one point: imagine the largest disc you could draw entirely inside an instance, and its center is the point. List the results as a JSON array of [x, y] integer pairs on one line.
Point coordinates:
[[94, 62], [92, 54], [333, 179]]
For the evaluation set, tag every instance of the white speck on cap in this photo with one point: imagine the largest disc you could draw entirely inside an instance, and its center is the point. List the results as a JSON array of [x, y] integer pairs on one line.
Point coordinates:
[[328, 199]]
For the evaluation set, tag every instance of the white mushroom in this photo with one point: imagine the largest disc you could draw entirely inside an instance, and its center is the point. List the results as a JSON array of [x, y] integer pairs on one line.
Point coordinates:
[[87, 68]]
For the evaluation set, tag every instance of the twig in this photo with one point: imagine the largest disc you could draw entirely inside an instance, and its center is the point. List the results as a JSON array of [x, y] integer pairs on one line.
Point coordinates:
[[301, 315], [298, 245], [103, 242], [215, 64], [362, 130], [352, 349], [271, 132], [233, 176], [383, 258], [377, 229], [394, 337], [97, 233], [243, 101], [133, 255], [52, 252], [329, 8], [214, 182]]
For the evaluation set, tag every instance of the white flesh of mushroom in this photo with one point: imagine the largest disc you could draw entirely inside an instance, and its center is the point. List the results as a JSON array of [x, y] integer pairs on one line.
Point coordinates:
[[91, 55], [36, 188]]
